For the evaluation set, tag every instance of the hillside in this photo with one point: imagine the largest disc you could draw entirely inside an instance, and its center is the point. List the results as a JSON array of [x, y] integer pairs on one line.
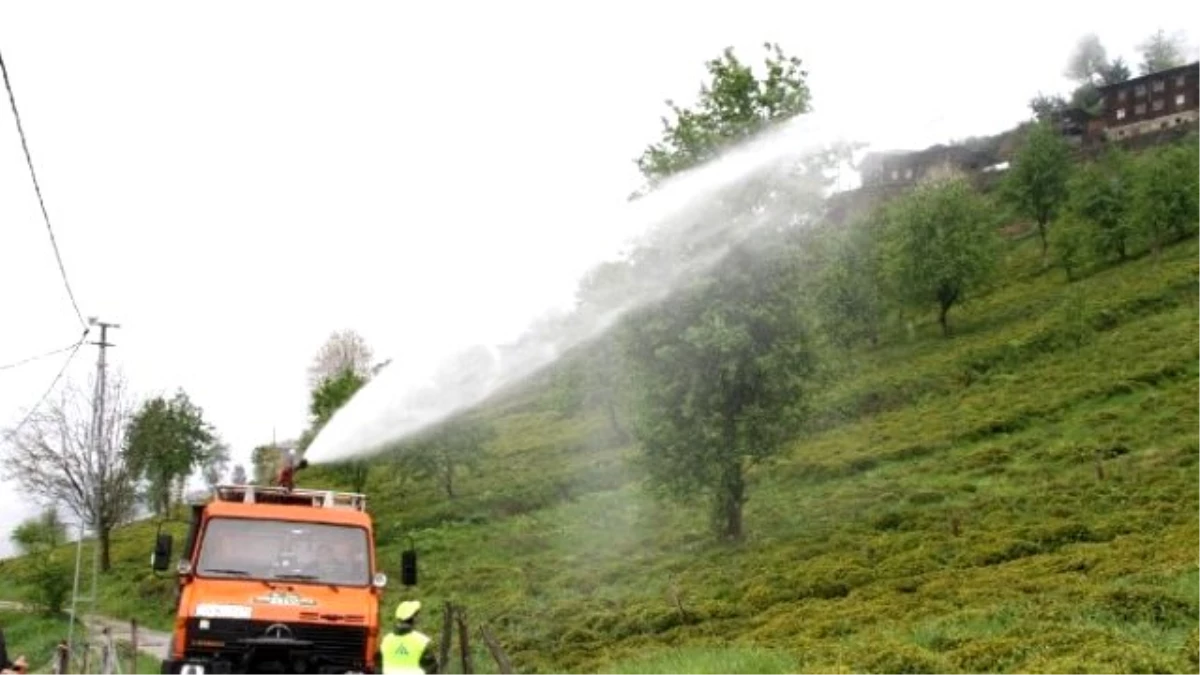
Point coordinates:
[[1020, 497]]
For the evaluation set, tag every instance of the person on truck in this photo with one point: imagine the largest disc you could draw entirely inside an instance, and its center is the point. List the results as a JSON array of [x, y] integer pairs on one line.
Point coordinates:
[[407, 650], [288, 468], [6, 666]]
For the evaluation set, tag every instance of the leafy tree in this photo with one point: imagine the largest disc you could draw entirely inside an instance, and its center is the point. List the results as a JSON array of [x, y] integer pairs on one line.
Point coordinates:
[[60, 457], [1047, 108], [266, 460], [1089, 60], [852, 290], [1116, 72], [344, 350], [1160, 52], [721, 373], [943, 244], [239, 475], [37, 538], [733, 106], [39, 534], [215, 465], [718, 367], [1070, 245], [442, 454], [1165, 190], [1100, 194], [1036, 184], [167, 440], [333, 393]]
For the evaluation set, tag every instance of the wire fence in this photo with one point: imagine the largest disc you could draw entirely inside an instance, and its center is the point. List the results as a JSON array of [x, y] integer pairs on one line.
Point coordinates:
[[102, 656]]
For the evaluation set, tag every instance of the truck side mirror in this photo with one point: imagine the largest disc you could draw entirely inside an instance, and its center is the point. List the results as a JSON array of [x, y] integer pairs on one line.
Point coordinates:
[[408, 567], [161, 559]]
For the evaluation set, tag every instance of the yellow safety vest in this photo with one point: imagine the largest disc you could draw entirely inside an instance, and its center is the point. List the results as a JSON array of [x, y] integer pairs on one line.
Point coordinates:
[[402, 653]]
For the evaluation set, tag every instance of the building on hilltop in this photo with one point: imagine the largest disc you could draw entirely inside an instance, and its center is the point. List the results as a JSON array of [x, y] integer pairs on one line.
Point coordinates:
[[1147, 104], [900, 168]]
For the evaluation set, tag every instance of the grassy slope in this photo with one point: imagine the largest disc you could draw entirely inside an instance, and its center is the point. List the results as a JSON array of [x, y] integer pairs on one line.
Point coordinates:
[[1013, 499]]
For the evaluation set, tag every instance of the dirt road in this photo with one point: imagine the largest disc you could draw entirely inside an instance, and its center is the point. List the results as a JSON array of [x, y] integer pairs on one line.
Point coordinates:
[[151, 642]]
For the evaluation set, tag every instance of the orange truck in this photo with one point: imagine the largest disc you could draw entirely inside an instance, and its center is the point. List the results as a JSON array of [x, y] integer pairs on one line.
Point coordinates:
[[278, 580]]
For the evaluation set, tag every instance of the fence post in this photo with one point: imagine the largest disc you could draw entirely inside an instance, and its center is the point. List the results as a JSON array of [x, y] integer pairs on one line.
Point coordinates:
[[87, 653], [133, 657], [447, 636], [62, 658], [464, 641], [496, 650]]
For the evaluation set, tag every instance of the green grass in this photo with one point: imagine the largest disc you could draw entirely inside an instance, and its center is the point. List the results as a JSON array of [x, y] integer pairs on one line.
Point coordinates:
[[35, 635], [1022, 497]]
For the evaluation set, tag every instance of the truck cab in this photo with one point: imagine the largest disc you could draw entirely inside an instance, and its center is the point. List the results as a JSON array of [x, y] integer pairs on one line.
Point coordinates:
[[273, 579]]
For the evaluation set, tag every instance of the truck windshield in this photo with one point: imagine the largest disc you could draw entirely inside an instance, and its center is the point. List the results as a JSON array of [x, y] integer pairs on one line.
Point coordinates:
[[279, 549]]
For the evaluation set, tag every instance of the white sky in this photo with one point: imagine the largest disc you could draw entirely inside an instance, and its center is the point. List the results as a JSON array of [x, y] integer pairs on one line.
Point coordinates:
[[233, 181]]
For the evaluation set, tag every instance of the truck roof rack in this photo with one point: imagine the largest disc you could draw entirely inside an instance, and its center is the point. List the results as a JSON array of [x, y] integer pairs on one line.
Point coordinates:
[[263, 494]]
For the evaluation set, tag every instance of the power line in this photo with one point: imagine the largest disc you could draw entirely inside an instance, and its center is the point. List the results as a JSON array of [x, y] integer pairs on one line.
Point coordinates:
[[31, 359], [38, 189], [53, 383]]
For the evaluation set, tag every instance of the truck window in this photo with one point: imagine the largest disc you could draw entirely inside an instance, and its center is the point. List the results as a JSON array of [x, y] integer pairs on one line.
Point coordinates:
[[278, 549]]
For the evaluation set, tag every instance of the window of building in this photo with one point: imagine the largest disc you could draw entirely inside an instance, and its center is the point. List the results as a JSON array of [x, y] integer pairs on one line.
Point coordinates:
[[1120, 113], [895, 174], [1180, 99], [1158, 85], [1158, 104], [1139, 90], [1180, 81], [908, 173], [1139, 109], [1122, 94]]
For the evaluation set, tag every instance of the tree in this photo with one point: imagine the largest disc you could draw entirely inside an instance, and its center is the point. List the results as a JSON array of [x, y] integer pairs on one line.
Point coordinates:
[[1088, 61], [266, 460], [1100, 194], [332, 393], [42, 533], [1116, 72], [718, 364], [60, 456], [37, 538], [1160, 52], [733, 106], [1070, 245], [1165, 189], [215, 465], [239, 475], [1047, 108], [943, 244], [1036, 184], [168, 440], [721, 373], [851, 290], [344, 350], [442, 454]]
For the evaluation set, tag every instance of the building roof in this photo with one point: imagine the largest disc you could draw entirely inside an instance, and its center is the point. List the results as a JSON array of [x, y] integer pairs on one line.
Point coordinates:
[[1146, 78]]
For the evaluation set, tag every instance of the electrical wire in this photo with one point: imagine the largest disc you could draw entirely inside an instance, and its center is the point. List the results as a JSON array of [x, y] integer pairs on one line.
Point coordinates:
[[38, 189], [61, 371], [31, 359]]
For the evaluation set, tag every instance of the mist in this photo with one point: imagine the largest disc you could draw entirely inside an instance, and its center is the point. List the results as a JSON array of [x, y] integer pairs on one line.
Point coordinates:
[[671, 235]]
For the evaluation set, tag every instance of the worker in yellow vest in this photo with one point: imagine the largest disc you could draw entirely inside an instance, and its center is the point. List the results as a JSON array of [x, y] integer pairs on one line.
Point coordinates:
[[407, 650]]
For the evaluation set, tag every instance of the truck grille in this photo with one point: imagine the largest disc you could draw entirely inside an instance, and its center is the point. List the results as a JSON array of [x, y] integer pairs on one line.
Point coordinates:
[[332, 644]]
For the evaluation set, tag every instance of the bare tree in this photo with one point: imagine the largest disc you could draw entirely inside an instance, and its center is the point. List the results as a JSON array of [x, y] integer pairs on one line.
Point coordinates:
[[343, 350], [54, 459]]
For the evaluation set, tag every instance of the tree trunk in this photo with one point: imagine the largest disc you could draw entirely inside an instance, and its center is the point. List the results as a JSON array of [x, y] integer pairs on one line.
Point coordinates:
[[945, 308], [731, 496], [105, 544], [946, 298], [449, 480], [1041, 228], [613, 422]]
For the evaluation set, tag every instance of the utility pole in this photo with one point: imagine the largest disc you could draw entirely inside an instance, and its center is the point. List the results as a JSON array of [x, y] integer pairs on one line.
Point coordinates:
[[97, 452]]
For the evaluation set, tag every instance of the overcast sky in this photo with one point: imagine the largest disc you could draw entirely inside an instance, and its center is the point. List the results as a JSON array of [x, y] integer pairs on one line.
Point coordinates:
[[233, 181]]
